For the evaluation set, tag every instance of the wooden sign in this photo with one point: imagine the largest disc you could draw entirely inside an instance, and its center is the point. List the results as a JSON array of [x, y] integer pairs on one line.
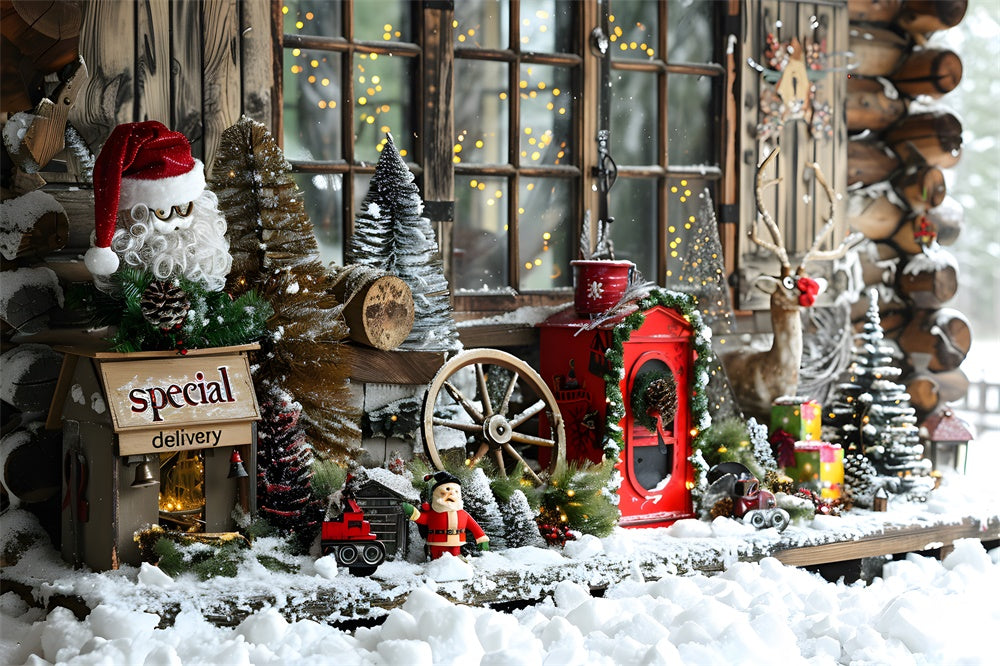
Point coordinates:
[[162, 405]]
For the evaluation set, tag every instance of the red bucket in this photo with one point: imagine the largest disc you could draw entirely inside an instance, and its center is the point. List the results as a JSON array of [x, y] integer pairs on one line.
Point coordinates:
[[599, 284]]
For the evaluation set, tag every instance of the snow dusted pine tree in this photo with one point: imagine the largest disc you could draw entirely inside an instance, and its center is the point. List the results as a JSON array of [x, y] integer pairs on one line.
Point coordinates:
[[274, 251], [391, 234], [871, 414], [477, 496], [520, 528], [284, 471]]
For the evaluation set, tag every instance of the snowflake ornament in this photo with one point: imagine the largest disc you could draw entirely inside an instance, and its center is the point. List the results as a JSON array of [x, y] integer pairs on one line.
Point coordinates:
[[595, 290]]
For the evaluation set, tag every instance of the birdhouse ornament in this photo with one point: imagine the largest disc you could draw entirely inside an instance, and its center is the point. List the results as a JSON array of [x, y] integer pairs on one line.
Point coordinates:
[[152, 211]]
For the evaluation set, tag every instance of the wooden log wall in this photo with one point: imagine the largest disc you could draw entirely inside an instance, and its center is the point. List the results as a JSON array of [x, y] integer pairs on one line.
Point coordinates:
[[902, 137], [194, 65]]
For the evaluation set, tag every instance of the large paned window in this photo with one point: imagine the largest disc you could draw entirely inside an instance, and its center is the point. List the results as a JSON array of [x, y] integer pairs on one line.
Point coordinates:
[[527, 87]]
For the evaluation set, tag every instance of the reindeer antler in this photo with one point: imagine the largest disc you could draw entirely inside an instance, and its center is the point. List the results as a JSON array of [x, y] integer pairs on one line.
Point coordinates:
[[814, 252], [775, 246]]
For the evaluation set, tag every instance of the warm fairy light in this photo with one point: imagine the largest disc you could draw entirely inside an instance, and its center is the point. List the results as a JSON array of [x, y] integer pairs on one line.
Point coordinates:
[[284, 9]]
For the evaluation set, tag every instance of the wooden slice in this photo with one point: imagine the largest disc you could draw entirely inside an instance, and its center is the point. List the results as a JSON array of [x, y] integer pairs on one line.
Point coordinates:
[[378, 307], [31, 465], [948, 219], [869, 105], [930, 390], [30, 373]]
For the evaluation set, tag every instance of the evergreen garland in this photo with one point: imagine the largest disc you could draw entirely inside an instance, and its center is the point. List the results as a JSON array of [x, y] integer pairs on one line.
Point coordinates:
[[577, 496], [214, 319], [614, 440]]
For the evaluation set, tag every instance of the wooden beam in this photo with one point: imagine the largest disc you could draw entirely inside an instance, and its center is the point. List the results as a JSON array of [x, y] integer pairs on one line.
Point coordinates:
[[368, 364]]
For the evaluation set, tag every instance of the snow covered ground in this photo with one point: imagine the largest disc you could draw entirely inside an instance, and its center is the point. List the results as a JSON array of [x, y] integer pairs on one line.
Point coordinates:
[[921, 611]]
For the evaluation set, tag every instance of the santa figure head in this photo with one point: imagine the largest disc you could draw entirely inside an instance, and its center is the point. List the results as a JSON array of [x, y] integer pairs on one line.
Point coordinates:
[[446, 493], [152, 211]]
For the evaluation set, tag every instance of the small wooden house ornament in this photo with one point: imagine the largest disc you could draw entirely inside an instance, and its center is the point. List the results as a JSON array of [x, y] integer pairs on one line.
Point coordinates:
[[148, 438], [880, 502]]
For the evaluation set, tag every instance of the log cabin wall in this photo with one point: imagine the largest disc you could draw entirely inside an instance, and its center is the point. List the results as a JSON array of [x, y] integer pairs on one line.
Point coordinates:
[[797, 204], [194, 65], [902, 137]]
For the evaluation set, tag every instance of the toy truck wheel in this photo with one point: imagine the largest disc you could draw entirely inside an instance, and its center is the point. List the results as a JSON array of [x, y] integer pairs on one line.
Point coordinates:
[[347, 555], [779, 519], [373, 554], [756, 518], [362, 571]]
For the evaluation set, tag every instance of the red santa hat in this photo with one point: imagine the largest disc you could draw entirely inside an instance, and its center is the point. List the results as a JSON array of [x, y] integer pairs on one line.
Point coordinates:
[[145, 163]]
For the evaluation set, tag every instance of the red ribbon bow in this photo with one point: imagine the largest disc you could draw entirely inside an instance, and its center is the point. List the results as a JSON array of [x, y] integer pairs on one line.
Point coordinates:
[[809, 288]]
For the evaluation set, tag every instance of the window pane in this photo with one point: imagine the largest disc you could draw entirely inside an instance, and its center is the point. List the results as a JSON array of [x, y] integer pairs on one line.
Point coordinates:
[[633, 123], [633, 205], [481, 112], [482, 23], [546, 115], [634, 32], [313, 17], [546, 234], [382, 89], [479, 241], [689, 31], [383, 21], [546, 26], [690, 120], [323, 195], [685, 259], [312, 98]]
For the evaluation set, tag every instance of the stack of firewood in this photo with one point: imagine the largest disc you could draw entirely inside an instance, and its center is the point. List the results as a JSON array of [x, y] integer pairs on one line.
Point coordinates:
[[902, 136]]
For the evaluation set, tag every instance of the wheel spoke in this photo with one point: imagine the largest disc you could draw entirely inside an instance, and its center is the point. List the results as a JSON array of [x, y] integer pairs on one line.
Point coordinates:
[[521, 438], [469, 408], [498, 454], [483, 448], [527, 414], [459, 425], [481, 381], [505, 404], [517, 456]]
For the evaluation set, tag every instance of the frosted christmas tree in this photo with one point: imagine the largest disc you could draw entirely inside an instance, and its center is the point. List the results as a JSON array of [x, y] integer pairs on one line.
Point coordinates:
[[871, 414], [702, 274], [274, 251], [390, 234]]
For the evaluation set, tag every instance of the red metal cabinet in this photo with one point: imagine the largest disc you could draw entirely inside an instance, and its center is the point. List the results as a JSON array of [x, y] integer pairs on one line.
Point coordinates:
[[656, 473]]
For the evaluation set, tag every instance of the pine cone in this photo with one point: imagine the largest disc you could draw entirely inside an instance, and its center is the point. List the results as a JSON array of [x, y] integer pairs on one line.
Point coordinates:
[[661, 397], [164, 305], [724, 507]]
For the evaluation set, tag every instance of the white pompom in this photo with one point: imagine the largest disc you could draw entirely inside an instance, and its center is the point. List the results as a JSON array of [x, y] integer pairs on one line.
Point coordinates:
[[101, 260]]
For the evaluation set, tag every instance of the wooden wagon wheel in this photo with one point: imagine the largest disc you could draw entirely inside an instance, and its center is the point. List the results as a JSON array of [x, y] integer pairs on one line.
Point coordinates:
[[492, 399]]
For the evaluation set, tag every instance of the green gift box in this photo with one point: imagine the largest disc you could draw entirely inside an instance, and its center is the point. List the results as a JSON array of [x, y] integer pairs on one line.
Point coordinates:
[[819, 466], [800, 417]]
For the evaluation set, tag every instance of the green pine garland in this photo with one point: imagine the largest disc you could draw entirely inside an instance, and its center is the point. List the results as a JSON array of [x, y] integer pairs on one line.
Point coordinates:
[[614, 440], [214, 319]]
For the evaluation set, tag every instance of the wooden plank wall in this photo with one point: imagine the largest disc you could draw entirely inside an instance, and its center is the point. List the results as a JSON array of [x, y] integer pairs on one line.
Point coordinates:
[[194, 65], [793, 205]]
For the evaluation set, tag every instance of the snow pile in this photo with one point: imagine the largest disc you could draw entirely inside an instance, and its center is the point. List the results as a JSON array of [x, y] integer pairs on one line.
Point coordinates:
[[922, 611]]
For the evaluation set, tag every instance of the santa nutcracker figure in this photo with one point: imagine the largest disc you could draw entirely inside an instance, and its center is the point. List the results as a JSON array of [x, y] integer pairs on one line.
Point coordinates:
[[444, 517], [152, 211]]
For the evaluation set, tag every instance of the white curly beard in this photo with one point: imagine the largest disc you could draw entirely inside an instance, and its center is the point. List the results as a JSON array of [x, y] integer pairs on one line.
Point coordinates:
[[199, 252]]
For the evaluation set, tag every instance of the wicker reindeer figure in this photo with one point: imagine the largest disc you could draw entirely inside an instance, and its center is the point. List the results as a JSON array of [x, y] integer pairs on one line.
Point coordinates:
[[758, 377]]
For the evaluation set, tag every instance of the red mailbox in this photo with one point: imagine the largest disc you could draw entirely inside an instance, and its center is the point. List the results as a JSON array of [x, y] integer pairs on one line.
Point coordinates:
[[657, 476]]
